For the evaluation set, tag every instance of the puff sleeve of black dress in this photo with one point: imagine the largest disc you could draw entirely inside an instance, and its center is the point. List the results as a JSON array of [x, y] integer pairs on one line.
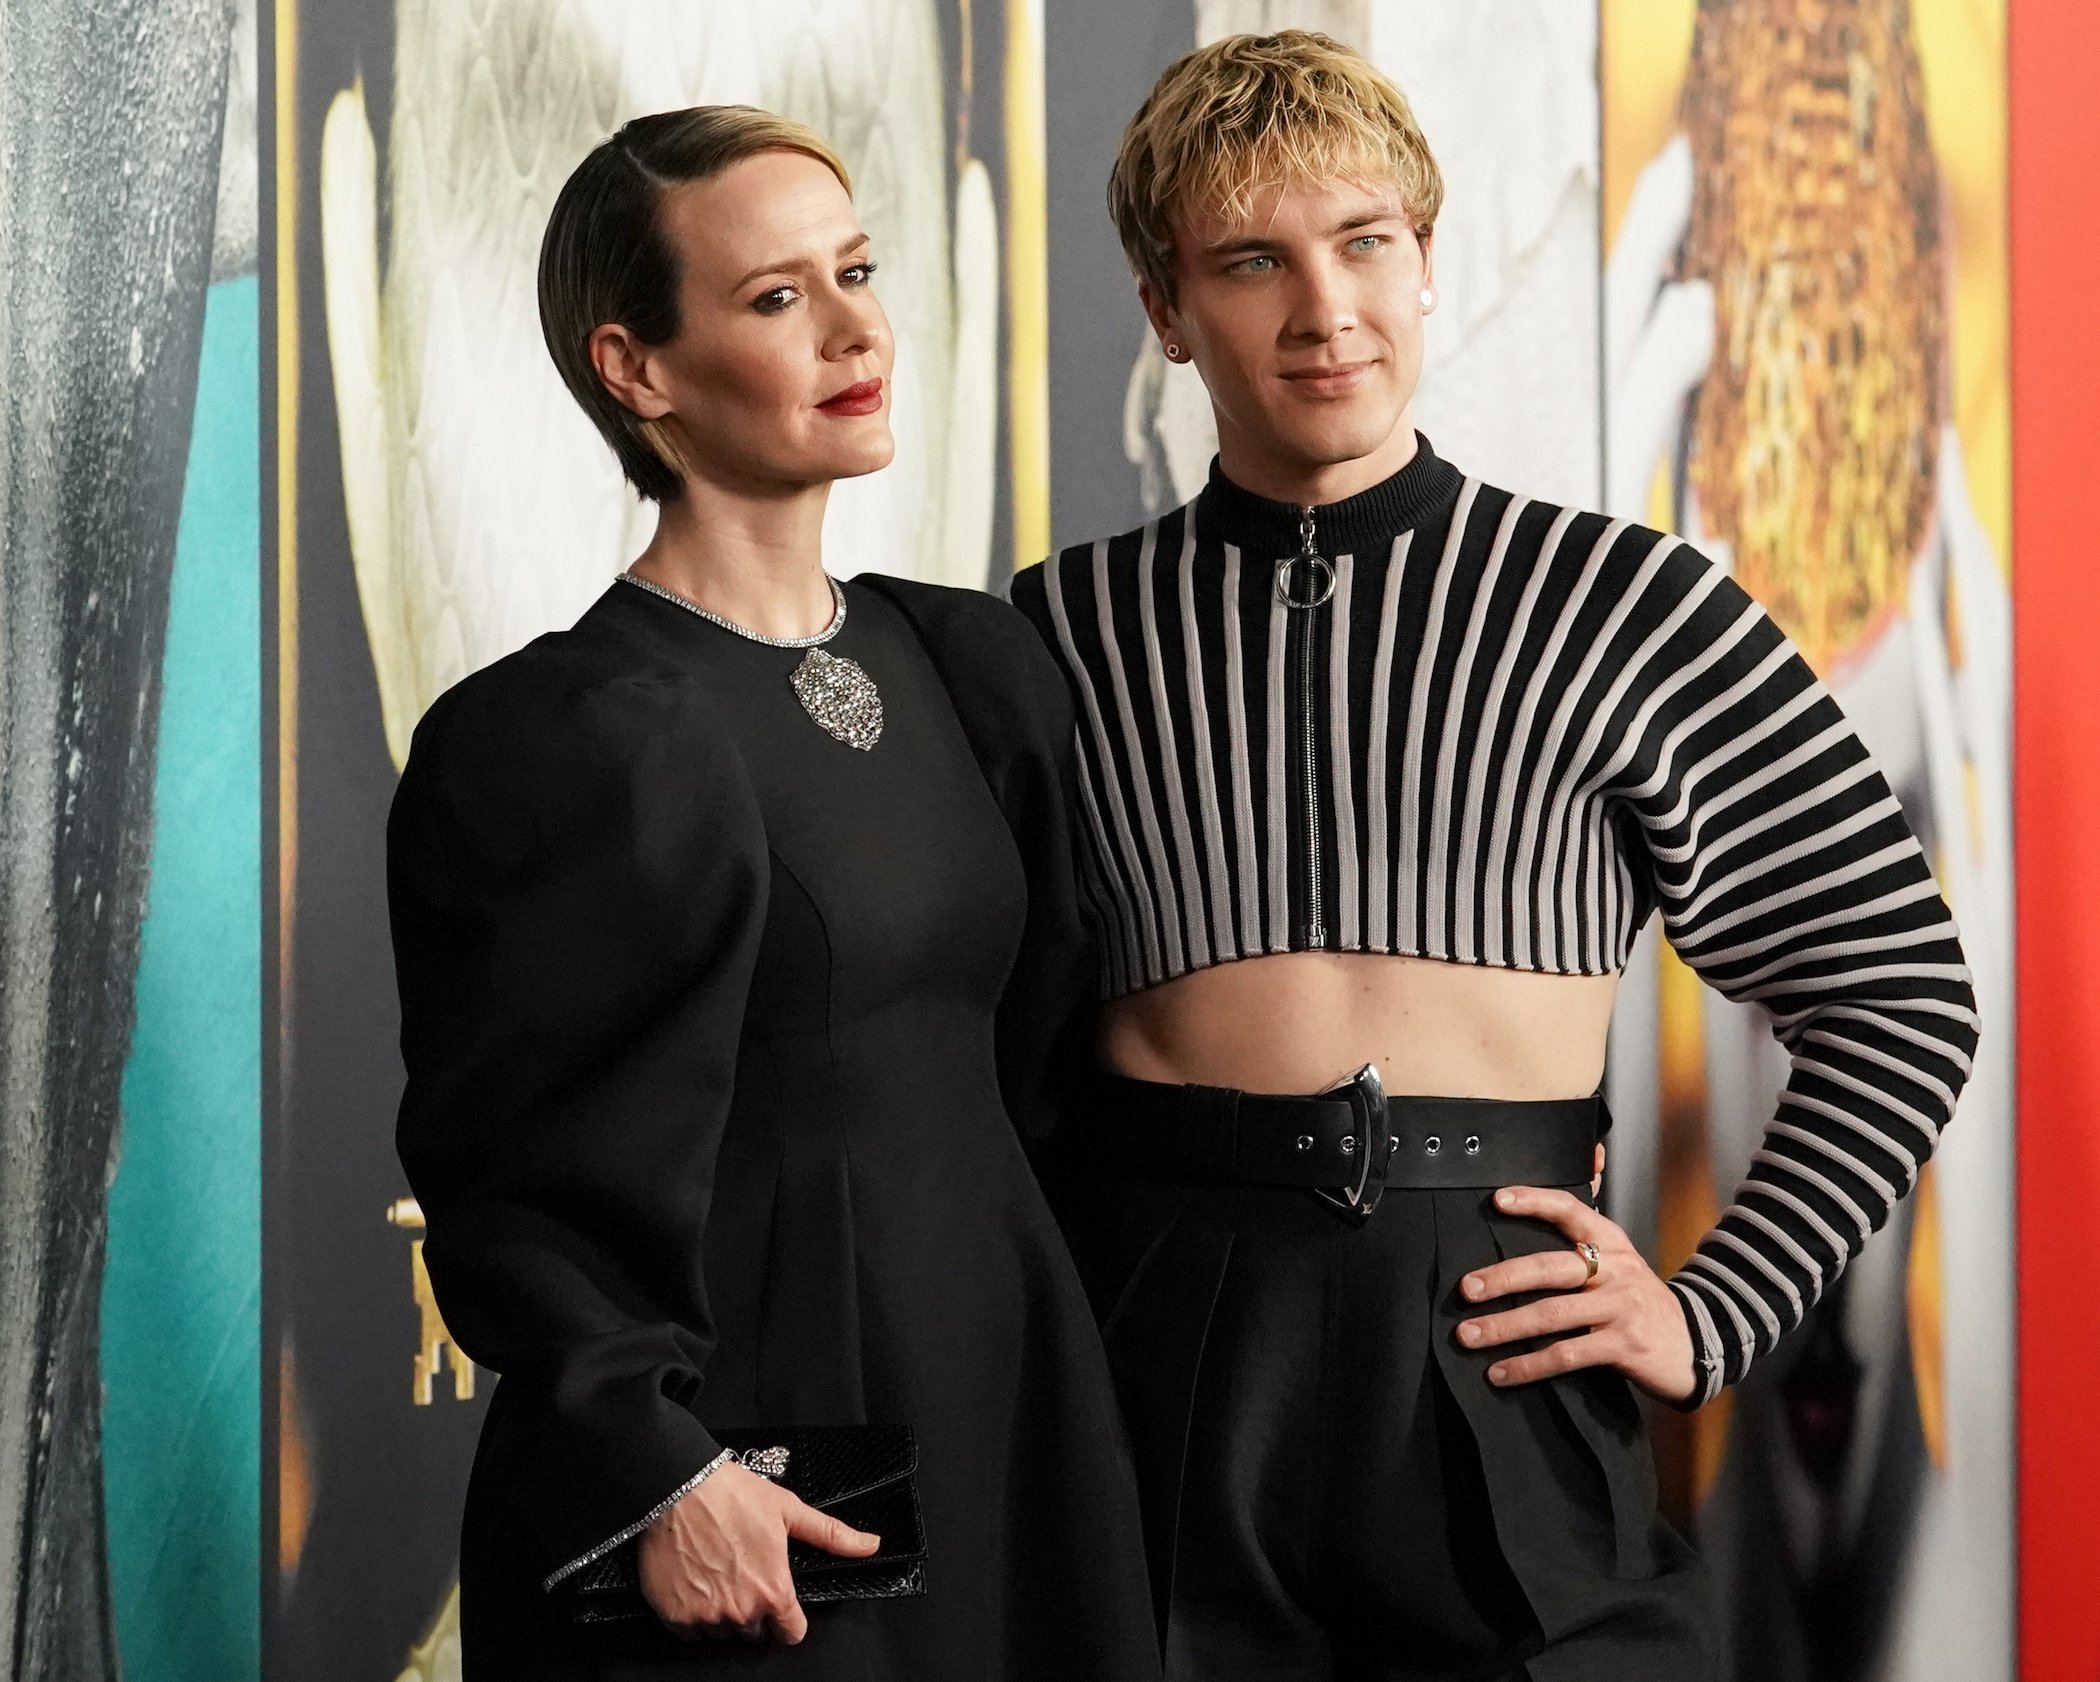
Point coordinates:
[[576, 874], [727, 1045]]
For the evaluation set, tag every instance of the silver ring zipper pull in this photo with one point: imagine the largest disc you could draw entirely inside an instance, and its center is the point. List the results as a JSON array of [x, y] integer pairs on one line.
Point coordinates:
[[1309, 555]]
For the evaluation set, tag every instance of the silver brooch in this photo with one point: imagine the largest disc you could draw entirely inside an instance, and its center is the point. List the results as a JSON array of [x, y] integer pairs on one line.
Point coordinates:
[[833, 690], [766, 1462], [841, 697]]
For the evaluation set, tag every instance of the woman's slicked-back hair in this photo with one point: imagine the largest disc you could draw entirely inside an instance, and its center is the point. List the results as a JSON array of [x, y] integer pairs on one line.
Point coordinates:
[[1250, 112], [605, 257]]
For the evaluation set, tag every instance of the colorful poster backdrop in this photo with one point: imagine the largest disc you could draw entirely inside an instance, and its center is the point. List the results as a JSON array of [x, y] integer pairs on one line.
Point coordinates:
[[1734, 268], [1806, 374], [1739, 268]]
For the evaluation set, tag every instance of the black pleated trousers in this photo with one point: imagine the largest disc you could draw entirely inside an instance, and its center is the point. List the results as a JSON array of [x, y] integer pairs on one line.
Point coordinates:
[[1333, 1491]]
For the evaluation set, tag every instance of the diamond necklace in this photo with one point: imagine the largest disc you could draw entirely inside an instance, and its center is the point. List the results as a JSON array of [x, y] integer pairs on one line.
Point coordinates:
[[838, 614], [834, 691]]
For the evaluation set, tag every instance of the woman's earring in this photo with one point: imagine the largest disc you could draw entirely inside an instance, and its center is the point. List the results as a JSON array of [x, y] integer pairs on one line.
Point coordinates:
[[1428, 299], [1174, 352]]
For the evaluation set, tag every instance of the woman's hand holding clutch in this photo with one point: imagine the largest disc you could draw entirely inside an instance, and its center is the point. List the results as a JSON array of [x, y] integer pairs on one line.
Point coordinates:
[[717, 1562]]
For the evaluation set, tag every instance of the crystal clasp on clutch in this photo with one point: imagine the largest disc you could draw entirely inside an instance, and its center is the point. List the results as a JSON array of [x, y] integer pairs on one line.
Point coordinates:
[[766, 1462]]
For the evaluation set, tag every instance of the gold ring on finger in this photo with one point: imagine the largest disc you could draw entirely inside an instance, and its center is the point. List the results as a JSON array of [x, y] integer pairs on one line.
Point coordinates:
[[1592, 1258]]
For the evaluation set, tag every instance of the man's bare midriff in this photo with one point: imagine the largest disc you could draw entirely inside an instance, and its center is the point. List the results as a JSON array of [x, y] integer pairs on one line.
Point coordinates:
[[1301, 1021]]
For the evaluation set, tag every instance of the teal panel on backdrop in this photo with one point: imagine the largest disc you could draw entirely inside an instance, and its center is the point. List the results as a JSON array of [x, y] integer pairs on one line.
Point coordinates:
[[181, 1300]]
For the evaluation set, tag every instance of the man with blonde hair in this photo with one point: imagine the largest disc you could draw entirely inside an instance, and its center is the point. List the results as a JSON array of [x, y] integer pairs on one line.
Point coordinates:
[[1383, 770]]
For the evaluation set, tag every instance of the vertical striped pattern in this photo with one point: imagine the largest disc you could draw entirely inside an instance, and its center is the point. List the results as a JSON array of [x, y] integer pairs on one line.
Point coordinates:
[[1410, 934], [1569, 723], [1378, 869], [1346, 918], [1460, 936], [1196, 707], [1165, 909], [1281, 718], [1541, 736], [1471, 882], [1124, 971], [1134, 903], [1163, 734], [1249, 871]]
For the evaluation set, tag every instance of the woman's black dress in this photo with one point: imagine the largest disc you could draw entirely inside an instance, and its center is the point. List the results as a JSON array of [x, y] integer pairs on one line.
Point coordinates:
[[718, 1031]]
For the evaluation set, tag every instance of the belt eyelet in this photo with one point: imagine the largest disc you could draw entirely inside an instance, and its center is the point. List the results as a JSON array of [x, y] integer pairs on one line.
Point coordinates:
[[1473, 1145], [1432, 1145], [1305, 1142], [1348, 1144]]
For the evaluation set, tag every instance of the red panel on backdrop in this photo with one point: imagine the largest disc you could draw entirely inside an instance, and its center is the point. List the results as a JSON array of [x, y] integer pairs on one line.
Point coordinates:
[[2054, 56]]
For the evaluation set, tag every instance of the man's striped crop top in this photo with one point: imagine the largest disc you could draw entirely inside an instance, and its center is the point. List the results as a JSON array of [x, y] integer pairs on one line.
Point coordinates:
[[1443, 720]]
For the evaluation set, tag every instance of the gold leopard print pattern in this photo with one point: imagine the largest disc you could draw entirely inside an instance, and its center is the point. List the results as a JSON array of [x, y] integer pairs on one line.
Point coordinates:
[[1816, 217]]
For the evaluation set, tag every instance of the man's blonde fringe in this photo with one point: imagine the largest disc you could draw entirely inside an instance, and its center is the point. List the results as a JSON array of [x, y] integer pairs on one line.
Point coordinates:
[[1251, 113]]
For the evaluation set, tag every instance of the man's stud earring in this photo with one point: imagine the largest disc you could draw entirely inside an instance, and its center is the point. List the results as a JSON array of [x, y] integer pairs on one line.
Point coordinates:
[[1174, 352], [1428, 299]]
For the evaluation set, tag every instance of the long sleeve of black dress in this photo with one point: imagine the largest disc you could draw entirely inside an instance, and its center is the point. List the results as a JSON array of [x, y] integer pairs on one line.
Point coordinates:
[[577, 888]]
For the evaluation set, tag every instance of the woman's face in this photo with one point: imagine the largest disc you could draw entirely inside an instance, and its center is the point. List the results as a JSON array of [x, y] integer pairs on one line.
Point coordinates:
[[779, 375]]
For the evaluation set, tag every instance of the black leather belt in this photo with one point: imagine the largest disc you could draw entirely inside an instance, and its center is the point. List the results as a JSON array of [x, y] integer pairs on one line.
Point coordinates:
[[1348, 1144]]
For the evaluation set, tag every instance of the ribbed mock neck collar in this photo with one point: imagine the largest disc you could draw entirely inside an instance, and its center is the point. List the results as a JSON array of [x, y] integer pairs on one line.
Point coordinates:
[[1358, 525]]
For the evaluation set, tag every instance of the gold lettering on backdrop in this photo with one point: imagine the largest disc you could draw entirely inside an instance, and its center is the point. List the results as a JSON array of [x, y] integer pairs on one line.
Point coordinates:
[[434, 1343]]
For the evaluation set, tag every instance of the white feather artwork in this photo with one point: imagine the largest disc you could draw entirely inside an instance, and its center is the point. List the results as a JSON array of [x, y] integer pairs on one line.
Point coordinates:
[[1506, 91], [482, 507]]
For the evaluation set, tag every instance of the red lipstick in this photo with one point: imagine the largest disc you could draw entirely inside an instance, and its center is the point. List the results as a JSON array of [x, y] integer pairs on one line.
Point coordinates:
[[862, 399]]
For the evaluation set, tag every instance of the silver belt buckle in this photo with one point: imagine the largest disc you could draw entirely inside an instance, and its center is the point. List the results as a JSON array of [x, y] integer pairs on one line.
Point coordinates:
[[1364, 1092]]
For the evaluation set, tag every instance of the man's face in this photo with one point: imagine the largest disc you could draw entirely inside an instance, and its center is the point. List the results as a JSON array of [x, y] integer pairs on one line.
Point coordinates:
[[1304, 317]]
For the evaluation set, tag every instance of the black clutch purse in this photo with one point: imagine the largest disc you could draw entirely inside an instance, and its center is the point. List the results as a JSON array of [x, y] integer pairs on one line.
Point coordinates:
[[861, 1474]]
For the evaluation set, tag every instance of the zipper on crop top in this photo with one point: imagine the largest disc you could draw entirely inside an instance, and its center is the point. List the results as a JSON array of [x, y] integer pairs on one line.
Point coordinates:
[[1304, 582]]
